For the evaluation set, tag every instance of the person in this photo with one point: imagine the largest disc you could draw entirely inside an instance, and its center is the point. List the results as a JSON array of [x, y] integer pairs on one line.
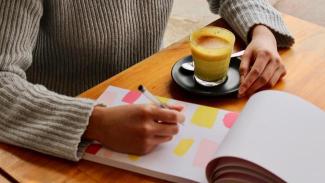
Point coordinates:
[[52, 50]]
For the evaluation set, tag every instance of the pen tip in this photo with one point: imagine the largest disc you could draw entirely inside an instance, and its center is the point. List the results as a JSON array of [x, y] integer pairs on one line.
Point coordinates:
[[141, 88]]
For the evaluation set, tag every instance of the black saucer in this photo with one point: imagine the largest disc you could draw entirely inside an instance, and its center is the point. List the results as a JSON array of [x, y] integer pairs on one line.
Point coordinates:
[[185, 79]]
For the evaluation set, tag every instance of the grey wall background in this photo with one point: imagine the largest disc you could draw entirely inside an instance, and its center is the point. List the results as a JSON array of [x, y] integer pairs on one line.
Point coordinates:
[[188, 15]]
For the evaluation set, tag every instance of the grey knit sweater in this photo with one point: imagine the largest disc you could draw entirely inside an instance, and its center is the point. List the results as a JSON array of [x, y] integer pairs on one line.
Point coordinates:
[[51, 50]]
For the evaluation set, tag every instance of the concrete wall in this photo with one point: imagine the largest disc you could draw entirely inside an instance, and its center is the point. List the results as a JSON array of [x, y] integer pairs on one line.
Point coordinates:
[[188, 15]]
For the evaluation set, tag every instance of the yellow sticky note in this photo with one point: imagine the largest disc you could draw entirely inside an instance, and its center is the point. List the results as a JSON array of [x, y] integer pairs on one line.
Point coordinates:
[[133, 157], [183, 146], [163, 100], [205, 116]]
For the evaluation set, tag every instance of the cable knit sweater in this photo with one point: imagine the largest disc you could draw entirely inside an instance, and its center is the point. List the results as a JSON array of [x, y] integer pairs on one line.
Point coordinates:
[[52, 50]]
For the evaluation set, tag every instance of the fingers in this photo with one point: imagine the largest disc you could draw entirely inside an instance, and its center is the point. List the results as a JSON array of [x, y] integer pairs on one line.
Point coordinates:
[[264, 78], [165, 129], [152, 134], [155, 134], [159, 121], [245, 64], [279, 73], [262, 59], [272, 73], [168, 119], [176, 107], [166, 115]]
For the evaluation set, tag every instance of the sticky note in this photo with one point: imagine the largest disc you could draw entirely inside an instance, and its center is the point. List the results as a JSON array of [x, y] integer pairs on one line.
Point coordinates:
[[205, 116], [230, 118], [133, 157], [205, 152], [183, 146], [131, 97], [107, 98], [93, 148]]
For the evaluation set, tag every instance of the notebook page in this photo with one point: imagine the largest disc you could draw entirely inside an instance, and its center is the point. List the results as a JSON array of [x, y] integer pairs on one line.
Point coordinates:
[[282, 133], [185, 157]]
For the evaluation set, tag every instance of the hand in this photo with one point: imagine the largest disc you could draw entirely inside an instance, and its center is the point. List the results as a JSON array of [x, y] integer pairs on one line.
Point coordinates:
[[134, 128], [261, 65]]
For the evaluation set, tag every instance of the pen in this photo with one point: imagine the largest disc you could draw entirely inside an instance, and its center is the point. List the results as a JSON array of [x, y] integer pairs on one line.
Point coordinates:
[[150, 97]]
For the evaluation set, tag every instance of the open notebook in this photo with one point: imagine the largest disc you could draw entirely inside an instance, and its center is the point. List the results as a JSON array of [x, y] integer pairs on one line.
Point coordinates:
[[277, 137]]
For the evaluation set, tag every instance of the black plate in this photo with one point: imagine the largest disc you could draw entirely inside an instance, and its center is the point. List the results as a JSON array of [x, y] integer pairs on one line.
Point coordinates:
[[185, 80]]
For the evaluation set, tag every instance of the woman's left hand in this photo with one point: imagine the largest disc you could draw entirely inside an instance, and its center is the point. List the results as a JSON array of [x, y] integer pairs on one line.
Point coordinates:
[[261, 65]]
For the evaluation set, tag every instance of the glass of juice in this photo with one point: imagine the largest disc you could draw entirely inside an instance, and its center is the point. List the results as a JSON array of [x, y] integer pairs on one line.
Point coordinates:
[[211, 49]]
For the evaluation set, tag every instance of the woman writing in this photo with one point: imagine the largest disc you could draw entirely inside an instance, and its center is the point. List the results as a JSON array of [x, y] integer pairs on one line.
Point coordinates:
[[53, 50]]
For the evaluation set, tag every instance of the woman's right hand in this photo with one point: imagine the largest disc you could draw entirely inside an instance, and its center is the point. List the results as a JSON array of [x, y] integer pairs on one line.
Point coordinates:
[[134, 129]]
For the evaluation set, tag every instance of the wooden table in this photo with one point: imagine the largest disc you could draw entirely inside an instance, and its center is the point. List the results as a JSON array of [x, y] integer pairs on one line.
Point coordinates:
[[306, 78]]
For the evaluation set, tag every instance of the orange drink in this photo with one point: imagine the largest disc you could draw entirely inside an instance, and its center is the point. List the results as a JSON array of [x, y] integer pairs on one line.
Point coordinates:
[[211, 49]]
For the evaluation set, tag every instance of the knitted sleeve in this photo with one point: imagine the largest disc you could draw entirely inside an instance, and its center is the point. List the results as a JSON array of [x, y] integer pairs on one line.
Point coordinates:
[[242, 15], [30, 115]]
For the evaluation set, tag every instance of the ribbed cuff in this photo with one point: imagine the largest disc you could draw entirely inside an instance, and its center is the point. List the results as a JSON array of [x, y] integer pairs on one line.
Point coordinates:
[[79, 145], [243, 15], [35, 118]]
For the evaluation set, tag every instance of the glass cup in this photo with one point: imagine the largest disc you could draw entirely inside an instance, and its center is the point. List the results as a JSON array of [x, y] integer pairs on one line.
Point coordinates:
[[211, 49]]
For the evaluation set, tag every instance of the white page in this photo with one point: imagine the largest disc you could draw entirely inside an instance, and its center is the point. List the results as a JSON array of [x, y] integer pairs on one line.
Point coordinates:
[[282, 133], [162, 162]]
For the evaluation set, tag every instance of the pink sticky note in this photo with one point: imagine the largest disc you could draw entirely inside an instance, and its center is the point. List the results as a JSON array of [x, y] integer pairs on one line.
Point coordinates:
[[230, 118], [107, 98], [205, 152], [131, 97]]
